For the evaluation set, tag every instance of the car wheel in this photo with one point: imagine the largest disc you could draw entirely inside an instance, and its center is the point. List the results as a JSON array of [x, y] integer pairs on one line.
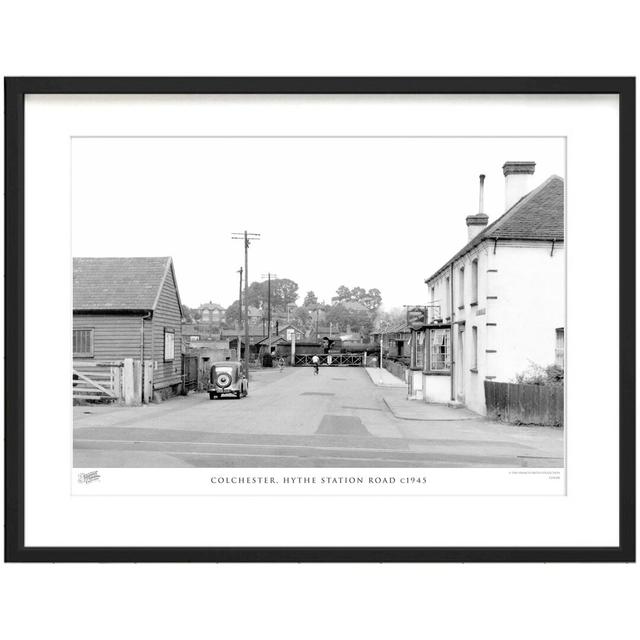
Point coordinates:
[[212, 395], [238, 394]]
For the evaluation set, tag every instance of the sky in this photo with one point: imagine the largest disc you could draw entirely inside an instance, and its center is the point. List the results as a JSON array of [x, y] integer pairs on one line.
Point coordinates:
[[369, 212]]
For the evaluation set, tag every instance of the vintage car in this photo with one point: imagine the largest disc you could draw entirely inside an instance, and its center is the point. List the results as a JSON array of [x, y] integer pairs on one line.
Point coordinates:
[[227, 378]]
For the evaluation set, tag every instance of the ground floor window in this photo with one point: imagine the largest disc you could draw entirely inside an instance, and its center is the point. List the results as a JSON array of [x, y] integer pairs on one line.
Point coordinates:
[[83, 343], [417, 349], [439, 350], [169, 345]]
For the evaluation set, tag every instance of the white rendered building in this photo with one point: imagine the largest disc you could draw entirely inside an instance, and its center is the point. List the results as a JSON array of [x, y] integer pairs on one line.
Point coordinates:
[[498, 305]]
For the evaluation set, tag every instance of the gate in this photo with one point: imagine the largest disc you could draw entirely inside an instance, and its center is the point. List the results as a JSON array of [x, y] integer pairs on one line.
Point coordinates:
[[97, 380], [189, 373], [330, 360]]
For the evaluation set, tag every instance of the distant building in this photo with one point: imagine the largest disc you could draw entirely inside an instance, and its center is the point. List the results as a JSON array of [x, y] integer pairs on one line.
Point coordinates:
[[498, 304], [211, 313], [255, 315], [129, 308], [289, 330], [396, 341]]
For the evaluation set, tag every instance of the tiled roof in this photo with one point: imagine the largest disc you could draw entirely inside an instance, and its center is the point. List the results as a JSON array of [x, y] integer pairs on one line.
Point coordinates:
[[271, 341], [118, 284], [537, 216], [212, 306], [289, 325], [403, 327]]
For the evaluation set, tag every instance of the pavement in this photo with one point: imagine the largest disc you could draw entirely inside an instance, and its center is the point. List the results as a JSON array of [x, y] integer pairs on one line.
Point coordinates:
[[406, 409], [383, 378], [293, 418]]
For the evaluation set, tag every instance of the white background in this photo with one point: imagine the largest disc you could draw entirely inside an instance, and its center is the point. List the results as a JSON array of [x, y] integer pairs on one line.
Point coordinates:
[[363, 38], [587, 516]]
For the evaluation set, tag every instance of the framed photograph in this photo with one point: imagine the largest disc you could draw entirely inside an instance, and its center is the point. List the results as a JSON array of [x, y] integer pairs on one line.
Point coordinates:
[[320, 319]]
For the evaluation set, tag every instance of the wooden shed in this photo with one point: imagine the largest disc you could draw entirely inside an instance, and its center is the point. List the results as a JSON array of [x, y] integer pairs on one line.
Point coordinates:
[[130, 308]]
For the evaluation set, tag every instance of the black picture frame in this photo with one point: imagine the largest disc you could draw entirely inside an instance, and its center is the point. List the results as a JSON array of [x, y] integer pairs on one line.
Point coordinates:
[[15, 91]]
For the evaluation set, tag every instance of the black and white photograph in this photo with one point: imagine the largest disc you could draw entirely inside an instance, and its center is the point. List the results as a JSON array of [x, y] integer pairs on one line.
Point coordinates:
[[318, 302], [362, 319]]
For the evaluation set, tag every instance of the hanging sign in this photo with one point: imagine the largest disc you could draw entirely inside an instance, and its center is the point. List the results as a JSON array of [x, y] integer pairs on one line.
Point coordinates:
[[417, 317]]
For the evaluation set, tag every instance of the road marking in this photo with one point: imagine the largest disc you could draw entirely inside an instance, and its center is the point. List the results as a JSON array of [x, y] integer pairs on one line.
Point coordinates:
[[239, 444], [407, 463]]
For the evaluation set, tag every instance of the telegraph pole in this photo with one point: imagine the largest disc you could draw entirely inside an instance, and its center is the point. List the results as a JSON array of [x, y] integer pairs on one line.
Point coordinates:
[[269, 276], [247, 237], [239, 314]]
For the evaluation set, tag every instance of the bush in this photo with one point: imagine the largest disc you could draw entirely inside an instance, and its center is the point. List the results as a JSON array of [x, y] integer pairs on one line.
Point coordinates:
[[551, 375]]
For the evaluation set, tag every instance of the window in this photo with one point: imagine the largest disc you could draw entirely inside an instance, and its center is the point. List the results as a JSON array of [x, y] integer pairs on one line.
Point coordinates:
[[169, 345], [560, 347], [474, 281], [420, 349], [417, 349], [439, 350], [433, 295], [474, 353], [461, 287], [83, 343], [447, 297]]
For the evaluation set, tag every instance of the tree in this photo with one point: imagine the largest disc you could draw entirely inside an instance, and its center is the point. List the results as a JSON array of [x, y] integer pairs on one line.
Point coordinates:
[[389, 317], [187, 312], [342, 295], [310, 300], [231, 314], [303, 317], [357, 320], [283, 292], [371, 299]]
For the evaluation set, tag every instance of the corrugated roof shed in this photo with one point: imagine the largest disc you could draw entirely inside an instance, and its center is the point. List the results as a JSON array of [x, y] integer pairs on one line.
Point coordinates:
[[118, 284], [537, 216]]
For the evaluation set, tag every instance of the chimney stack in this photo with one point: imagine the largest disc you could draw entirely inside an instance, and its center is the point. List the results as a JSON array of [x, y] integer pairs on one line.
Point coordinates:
[[517, 181], [481, 203], [475, 224]]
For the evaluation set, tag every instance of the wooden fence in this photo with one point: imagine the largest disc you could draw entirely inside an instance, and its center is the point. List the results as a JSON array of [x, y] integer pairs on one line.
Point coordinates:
[[525, 403], [398, 369]]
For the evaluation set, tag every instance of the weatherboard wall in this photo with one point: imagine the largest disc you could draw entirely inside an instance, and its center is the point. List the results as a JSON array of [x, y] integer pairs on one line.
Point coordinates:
[[115, 337], [166, 316]]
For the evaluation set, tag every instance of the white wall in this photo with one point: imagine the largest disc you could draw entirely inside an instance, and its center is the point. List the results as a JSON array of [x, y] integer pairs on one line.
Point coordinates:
[[468, 385], [530, 285], [521, 291], [436, 388], [414, 378]]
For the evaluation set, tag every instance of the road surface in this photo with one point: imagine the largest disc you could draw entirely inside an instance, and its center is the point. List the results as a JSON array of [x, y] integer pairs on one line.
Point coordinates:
[[294, 418]]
